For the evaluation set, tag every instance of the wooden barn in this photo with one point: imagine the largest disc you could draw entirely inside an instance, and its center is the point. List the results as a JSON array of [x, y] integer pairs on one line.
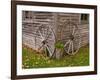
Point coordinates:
[[41, 29]]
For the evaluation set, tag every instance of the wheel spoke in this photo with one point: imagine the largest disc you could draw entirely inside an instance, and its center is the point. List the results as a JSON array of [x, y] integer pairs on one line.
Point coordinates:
[[41, 47], [50, 52], [72, 47], [47, 33], [45, 52], [69, 47], [41, 35], [70, 27], [50, 32], [47, 36], [67, 43], [73, 30]]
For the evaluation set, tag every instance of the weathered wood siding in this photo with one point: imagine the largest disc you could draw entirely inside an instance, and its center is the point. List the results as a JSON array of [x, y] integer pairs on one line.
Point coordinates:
[[62, 31], [84, 32], [55, 21], [31, 25]]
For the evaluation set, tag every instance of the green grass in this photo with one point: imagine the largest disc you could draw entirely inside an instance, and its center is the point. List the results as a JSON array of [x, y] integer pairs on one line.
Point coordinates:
[[32, 59]]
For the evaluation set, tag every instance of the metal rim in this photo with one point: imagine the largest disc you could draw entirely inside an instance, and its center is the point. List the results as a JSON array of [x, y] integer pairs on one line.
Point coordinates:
[[72, 45], [46, 39]]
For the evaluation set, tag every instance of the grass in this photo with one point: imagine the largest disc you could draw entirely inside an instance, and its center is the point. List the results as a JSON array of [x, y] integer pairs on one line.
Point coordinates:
[[32, 59]]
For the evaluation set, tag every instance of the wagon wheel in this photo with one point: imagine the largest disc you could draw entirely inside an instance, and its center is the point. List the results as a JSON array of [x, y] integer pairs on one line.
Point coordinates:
[[73, 40], [45, 39]]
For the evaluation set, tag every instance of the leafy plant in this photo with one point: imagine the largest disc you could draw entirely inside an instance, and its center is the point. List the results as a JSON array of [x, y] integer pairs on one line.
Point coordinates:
[[59, 45]]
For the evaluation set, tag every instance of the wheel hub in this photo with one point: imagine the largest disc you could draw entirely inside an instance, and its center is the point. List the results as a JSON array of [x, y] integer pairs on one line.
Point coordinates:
[[44, 42], [71, 37]]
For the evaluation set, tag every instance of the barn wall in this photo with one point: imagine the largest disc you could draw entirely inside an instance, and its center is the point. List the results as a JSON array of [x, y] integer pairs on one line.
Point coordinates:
[[56, 21], [84, 32], [31, 25]]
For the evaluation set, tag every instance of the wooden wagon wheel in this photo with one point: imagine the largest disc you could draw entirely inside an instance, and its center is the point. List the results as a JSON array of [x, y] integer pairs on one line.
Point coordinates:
[[73, 40], [45, 39]]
